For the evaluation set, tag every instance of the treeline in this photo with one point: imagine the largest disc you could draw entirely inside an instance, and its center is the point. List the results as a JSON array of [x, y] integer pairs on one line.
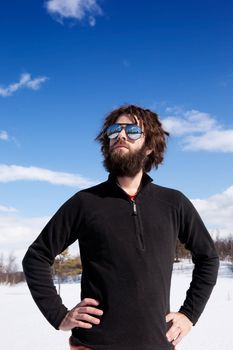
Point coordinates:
[[68, 268], [9, 273], [224, 247], [65, 268]]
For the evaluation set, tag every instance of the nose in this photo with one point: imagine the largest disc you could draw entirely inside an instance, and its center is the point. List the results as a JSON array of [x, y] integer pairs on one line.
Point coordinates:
[[122, 135]]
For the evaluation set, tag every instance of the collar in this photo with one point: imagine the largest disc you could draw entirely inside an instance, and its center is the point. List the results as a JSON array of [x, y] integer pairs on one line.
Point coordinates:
[[146, 179]]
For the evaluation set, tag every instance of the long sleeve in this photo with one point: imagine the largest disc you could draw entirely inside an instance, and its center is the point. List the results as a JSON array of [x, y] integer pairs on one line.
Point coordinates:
[[58, 234], [196, 238]]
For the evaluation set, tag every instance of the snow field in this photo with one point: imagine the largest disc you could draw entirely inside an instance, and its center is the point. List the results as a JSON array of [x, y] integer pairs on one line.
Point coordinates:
[[23, 326]]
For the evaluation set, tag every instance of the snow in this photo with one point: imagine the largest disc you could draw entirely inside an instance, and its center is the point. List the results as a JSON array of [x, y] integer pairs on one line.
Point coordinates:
[[22, 324]]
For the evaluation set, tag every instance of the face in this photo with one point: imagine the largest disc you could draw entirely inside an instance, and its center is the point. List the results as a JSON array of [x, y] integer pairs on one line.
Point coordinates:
[[123, 143], [126, 157]]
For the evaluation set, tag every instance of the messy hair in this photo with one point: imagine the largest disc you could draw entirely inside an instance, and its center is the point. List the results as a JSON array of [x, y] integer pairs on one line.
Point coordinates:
[[155, 135]]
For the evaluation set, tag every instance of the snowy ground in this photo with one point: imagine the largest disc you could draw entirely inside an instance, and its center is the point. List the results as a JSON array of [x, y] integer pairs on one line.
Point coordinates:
[[22, 326]]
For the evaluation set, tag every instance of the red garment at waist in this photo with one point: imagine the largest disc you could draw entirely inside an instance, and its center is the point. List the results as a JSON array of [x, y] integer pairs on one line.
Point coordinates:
[[79, 347]]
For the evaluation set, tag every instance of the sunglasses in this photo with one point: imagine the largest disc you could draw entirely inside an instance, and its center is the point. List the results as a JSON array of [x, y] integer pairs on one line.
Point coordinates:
[[133, 131]]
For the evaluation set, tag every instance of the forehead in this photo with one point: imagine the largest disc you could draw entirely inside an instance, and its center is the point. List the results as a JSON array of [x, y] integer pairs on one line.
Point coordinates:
[[127, 119]]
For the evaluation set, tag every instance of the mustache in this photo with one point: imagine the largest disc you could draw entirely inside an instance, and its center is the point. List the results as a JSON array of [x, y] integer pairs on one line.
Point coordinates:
[[119, 144]]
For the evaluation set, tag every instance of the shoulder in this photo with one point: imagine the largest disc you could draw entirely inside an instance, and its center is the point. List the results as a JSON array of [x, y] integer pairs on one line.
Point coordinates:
[[81, 200], [90, 192], [171, 196], [167, 192]]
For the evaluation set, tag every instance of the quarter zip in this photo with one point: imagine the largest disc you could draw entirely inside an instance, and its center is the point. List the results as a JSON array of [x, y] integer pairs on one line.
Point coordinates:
[[134, 207], [138, 226], [146, 179]]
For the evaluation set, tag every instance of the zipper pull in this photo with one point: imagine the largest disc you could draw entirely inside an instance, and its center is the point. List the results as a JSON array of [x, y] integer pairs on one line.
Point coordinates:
[[134, 208]]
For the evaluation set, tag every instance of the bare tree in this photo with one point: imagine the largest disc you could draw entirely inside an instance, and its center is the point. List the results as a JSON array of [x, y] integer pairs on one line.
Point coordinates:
[[58, 267], [2, 268], [11, 269]]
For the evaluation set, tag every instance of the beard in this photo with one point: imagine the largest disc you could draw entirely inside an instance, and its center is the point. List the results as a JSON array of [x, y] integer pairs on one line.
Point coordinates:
[[125, 163]]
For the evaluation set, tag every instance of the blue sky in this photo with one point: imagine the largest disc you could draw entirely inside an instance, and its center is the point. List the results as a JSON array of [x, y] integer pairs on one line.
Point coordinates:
[[66, 64]]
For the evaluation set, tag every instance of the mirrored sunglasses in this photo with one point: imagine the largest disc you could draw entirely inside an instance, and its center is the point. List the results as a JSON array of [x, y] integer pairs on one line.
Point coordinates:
[[133, 131]]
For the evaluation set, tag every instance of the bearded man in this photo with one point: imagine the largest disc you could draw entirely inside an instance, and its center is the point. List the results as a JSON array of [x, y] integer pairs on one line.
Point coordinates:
[[127, 228]]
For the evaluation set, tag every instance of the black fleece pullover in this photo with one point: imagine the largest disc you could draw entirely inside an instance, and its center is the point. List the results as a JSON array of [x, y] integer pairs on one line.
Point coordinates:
[[127, 251]]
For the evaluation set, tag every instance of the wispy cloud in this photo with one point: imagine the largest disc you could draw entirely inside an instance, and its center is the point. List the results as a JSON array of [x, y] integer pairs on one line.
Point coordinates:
[[227, 80], [4, 209], [9, 173], [213, 141], [25, 81], [74, 9], [15, 228], [17, 233], [217, 211], [4, 135], [186, 122], [198, 130]]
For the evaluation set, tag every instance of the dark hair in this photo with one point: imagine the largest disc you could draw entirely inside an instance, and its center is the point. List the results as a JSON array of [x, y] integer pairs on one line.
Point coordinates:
[[155, 135]]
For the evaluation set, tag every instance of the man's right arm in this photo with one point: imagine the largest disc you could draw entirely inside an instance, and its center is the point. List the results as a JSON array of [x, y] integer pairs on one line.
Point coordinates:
[[39, 279], [61, 231]]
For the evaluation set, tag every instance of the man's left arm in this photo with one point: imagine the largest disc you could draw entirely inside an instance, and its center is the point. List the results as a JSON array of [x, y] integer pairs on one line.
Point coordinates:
[[197, 239]]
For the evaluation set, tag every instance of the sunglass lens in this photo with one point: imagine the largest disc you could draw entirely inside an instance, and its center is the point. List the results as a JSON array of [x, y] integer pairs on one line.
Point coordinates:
[[113, 131], [133, 131]]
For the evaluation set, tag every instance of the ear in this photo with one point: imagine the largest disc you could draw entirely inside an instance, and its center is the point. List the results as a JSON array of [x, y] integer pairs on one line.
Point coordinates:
[[148, 151]]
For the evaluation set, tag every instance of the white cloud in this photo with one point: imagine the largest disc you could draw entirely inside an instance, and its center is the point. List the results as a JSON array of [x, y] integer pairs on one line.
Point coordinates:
[[4, 135], [15, 229], [198, 130], [5, 209], [17, 233], [25, 81], [76, 9], [190, 122], [216, 140], [217, 211], [9, 173]]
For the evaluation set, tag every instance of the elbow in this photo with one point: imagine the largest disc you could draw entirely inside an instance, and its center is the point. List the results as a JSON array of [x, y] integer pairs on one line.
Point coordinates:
[[25, 261]]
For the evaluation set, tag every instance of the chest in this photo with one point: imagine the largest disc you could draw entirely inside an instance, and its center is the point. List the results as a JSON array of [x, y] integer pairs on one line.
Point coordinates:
[[121, 226]]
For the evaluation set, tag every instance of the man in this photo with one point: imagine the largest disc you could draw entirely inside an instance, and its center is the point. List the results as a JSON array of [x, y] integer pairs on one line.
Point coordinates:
[[127, 229]]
